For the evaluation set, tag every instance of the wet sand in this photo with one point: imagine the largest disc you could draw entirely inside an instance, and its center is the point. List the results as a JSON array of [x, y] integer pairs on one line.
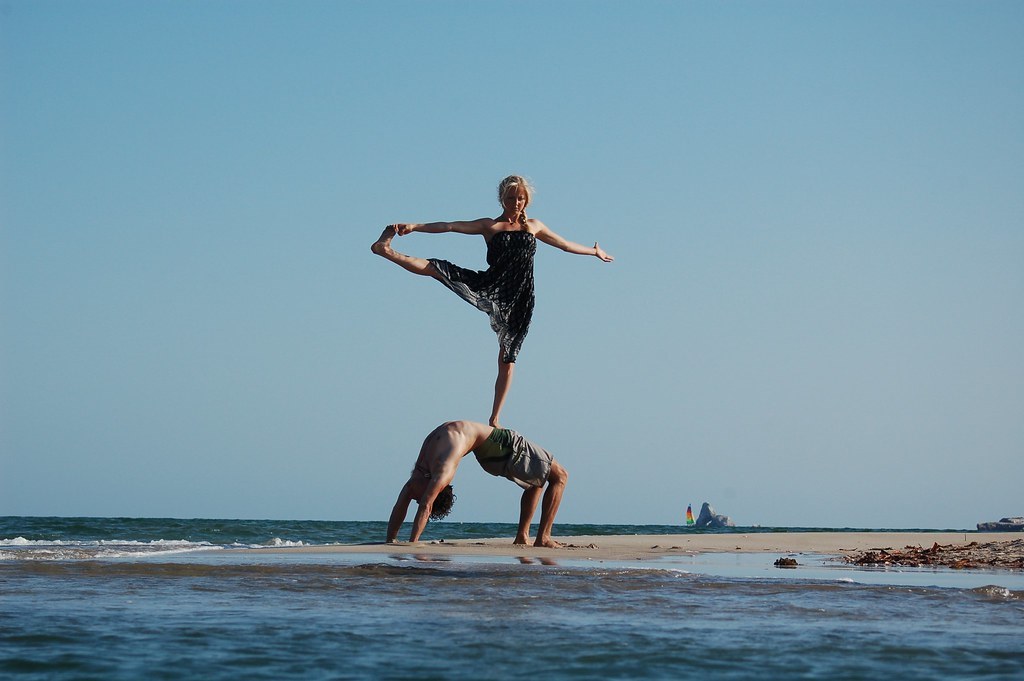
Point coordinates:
[[850, 545]]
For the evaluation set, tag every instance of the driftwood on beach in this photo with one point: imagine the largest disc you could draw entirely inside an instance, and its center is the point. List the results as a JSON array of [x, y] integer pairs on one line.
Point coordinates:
[[1006, 554]]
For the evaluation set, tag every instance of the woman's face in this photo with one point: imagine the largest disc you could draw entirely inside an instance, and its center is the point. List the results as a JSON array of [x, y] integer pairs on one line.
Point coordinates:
[[515, 200]]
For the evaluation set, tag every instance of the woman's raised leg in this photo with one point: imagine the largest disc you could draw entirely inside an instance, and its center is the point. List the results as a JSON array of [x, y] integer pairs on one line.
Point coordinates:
[[382, 247]]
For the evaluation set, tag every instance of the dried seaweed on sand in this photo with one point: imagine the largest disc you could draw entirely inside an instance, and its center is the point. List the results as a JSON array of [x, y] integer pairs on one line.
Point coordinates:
[[1005, 554]]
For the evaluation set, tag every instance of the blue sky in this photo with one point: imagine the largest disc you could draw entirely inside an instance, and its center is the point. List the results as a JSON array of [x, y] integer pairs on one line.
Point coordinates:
[[815, 316]]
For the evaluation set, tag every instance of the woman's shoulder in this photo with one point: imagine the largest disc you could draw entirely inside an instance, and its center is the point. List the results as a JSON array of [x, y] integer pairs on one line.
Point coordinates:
[[486, 225], [535, 226]]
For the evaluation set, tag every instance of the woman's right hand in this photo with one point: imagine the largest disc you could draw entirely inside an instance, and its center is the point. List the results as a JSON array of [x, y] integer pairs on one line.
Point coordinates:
[[402, 229]]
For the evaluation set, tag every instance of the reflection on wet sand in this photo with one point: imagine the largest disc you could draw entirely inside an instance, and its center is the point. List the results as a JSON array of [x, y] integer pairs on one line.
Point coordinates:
[[421, 557]]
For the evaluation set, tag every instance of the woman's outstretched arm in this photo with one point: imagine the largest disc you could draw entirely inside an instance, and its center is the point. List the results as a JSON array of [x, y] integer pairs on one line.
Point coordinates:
[[460, 226], [552, 239]]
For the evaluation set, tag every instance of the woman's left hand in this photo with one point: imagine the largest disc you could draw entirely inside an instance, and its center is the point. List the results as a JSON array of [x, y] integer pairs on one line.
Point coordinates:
[[599, 252]]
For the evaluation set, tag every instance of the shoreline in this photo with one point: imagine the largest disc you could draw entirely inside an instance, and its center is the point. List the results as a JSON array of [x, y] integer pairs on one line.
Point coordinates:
[[848, 545]]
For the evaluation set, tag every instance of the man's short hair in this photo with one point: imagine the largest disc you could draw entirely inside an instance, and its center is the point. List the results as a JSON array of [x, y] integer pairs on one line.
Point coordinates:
[[442, 505]]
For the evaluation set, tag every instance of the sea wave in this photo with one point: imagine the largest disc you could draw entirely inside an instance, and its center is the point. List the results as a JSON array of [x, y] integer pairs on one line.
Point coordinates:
[[20, 548], [277, 542], [999, 593]]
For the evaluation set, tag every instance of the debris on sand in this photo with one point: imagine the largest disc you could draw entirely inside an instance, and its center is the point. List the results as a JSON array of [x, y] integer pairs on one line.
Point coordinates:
[[1007, 554]]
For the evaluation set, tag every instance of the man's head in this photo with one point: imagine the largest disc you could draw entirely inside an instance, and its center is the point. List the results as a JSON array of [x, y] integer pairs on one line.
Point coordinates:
[[442, 503]]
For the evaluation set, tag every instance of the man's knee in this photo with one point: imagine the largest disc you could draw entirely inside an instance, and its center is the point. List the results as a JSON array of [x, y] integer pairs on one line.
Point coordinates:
[[558, 474]]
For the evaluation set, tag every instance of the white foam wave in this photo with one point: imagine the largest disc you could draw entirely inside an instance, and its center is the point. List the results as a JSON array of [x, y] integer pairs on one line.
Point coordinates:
[[20, 548], [17, 541], [277, 542]]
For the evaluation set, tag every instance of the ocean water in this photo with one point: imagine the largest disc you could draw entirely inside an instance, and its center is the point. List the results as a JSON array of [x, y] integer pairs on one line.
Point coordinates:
[[180, 599]]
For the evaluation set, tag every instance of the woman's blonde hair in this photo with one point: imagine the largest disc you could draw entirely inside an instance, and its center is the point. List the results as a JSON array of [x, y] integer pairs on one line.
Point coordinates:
[[515, 183]]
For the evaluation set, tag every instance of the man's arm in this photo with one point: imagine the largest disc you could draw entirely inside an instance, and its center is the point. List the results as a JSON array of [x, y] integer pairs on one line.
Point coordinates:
[[398, 513], [441, 479], [419, 523]]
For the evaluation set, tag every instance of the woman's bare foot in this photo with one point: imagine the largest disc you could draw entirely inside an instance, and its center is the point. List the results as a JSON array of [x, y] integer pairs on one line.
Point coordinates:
[[493, 422], [382, 246]]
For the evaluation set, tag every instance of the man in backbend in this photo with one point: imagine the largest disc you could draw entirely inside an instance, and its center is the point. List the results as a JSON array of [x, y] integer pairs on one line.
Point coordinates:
[[500, 452]]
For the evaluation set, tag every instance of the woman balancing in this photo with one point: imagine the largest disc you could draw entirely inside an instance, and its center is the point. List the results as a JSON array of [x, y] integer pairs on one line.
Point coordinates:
[[505, 289]]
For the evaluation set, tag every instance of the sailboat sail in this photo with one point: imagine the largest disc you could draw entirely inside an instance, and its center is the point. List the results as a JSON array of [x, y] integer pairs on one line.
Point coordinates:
[[689, 515]]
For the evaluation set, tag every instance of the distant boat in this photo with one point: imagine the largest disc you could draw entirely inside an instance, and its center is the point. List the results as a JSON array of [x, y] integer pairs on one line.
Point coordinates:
[[689, 516]]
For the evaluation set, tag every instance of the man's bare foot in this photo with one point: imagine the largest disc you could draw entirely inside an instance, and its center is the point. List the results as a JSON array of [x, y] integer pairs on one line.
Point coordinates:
[[520, 540], [547, 543], [382, 246]]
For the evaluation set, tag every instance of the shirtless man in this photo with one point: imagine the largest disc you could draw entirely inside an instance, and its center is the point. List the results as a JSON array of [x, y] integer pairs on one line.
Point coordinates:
[[500, 452]]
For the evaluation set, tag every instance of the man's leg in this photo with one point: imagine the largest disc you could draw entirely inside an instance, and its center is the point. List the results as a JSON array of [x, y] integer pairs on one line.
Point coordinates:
[[552, 498], [527, 505]]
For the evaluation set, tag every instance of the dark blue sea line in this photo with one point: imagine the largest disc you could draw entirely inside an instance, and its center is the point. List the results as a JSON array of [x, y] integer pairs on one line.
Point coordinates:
[[228, 532]]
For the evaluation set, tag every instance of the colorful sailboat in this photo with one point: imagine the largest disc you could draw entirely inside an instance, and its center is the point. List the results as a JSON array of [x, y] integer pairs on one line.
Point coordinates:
[[689, 516]]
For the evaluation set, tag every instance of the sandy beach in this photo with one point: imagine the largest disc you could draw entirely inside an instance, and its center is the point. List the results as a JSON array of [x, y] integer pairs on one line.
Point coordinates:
[[649, 547]]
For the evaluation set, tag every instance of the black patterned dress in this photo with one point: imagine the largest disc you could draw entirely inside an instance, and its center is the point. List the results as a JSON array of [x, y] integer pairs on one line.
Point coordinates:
[[504, 290]]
